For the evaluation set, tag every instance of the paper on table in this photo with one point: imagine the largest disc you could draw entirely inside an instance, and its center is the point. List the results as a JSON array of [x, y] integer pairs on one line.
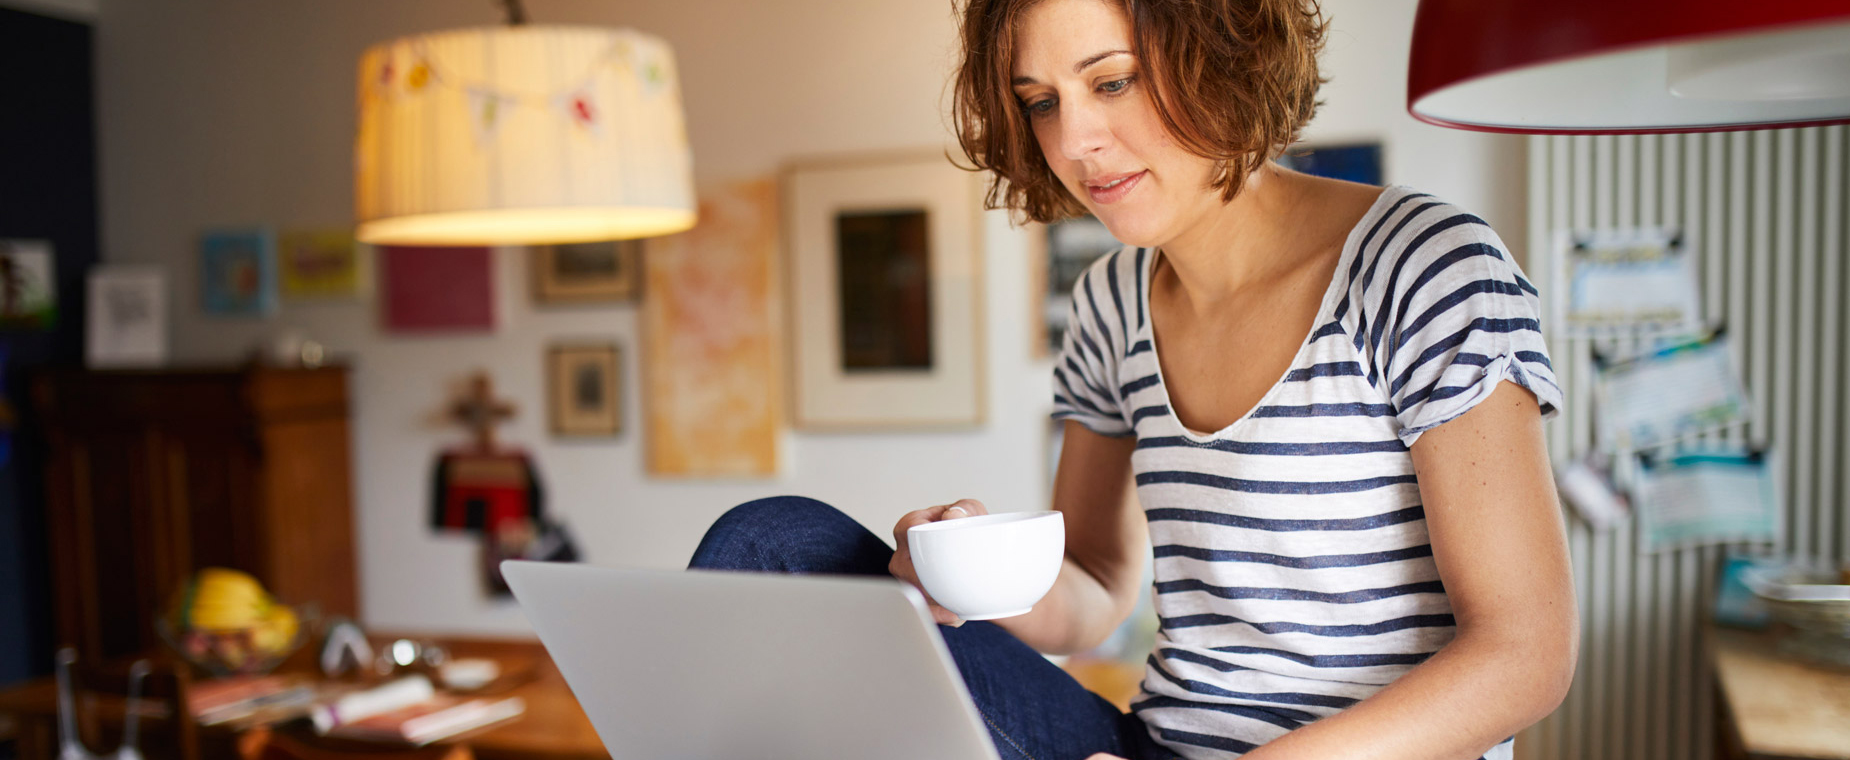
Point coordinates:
[[387, 697]]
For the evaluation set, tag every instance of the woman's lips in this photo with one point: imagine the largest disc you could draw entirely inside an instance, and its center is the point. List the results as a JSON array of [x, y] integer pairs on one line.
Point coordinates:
[[1114, 193]]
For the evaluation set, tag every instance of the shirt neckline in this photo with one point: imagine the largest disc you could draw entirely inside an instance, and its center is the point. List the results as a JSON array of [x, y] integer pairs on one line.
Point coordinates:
[[1351, 246]]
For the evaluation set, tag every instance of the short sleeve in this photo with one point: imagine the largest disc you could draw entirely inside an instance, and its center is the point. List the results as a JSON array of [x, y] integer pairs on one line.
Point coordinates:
[[1453, 320], [1085, 375]]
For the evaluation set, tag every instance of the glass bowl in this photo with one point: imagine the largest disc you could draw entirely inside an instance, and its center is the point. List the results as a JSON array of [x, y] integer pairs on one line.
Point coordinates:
[[235, 652]]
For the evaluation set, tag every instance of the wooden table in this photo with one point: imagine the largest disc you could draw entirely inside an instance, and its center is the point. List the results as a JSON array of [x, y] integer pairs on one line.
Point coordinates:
[[554, 727], [1775, 706]]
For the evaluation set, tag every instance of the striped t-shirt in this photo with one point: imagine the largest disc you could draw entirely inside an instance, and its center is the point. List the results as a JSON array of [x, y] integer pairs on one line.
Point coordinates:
[[1294, 576]]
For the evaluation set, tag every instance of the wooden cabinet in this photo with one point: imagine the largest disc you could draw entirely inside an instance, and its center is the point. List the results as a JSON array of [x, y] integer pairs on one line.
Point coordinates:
[[152, 475]]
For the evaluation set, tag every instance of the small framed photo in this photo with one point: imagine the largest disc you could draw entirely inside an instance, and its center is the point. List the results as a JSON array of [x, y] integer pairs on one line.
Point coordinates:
[[128, 317], [583, 273], [29, 298], [237, 272], [321, 264], [584, 383]]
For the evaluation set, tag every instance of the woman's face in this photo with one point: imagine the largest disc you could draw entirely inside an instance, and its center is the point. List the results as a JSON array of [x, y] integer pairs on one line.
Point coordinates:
[[1088, 102]]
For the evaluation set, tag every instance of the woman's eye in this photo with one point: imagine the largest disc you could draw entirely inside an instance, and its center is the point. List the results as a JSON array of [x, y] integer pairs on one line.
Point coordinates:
[[1040, 107], [1115, 86]]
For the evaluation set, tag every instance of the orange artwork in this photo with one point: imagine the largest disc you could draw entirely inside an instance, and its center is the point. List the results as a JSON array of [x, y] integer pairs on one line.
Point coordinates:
[[710, 339]]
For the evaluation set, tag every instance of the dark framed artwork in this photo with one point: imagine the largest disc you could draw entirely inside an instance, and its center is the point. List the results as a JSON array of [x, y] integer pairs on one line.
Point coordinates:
[[584, 389], [885, 284], [579, 273]]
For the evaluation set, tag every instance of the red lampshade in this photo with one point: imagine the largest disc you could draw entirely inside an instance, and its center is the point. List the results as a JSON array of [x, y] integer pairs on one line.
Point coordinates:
[[1630, 66]]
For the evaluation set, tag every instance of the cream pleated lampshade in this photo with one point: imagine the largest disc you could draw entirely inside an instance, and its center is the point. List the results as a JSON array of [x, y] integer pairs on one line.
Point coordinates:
[[520, 135]]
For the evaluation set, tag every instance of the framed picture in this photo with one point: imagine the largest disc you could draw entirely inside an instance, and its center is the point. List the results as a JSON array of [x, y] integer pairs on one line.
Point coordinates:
[[28, 285], [1062, 250], [608, 272], [885, 293], [325, 264], [1355, 162], [128, 317], [237, 274], [584, 385]]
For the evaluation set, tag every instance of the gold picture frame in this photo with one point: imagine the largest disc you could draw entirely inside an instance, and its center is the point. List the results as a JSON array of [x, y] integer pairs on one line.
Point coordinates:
[[587, 273], [584, 386]]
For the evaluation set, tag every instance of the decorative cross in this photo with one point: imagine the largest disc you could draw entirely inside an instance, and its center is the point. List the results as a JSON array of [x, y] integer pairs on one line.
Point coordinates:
[[480, 412]]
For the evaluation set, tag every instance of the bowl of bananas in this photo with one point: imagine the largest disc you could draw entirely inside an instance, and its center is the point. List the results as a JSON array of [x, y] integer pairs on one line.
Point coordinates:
[[225, 623]]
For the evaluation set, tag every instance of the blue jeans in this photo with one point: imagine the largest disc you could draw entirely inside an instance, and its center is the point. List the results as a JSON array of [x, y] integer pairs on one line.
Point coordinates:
[[1034, 710]]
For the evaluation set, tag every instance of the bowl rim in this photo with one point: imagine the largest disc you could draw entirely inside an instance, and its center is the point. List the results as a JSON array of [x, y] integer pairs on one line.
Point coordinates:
[[308, 616], [1769, 582], [978, 521]]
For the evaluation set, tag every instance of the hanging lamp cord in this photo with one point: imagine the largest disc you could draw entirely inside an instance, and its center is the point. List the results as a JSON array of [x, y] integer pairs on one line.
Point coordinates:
[[516, 14]]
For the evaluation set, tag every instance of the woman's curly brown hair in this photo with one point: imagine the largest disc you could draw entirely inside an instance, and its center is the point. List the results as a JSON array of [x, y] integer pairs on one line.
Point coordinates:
[[1233, 80]]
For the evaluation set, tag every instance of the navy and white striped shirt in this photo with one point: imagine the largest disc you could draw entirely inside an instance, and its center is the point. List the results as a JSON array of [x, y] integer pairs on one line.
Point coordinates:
[[1294, 576]]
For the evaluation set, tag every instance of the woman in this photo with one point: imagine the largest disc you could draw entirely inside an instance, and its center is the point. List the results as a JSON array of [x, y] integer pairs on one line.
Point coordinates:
[[1338, 454]]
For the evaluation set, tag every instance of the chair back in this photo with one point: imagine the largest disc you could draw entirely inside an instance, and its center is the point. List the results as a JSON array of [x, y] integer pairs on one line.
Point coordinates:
[[115, 711]]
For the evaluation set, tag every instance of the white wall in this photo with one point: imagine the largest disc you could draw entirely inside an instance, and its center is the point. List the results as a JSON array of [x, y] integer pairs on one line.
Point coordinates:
[[224, 112]]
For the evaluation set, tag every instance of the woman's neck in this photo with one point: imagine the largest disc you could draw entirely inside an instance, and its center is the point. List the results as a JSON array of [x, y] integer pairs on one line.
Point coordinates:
[[1245, 242]]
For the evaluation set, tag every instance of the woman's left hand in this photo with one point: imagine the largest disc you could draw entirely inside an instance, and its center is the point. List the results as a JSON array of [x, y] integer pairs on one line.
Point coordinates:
[[1103, 756]]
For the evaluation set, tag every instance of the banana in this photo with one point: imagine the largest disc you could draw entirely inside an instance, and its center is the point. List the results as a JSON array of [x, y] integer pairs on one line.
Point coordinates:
[[276, 631], [222, 599], [228, 584]]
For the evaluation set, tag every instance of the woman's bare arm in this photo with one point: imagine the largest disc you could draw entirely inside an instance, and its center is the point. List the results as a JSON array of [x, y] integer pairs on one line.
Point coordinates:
[[1501, 549], [1105, 540], [1105, 546]]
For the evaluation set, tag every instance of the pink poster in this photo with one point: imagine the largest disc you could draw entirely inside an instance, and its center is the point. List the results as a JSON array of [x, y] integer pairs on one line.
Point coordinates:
[[437, 289]]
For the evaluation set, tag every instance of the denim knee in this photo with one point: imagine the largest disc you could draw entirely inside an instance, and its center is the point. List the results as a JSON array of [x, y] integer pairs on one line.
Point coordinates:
[[790, 534]]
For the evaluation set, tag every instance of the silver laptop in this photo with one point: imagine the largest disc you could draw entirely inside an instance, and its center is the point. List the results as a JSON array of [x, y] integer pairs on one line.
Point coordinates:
[[702, 665]]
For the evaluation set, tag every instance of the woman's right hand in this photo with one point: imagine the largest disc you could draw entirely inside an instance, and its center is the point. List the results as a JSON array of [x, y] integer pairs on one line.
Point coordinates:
[[901, 566]]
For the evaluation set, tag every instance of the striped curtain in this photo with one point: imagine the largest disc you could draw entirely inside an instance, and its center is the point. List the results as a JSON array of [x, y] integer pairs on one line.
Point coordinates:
[[1764, 214]]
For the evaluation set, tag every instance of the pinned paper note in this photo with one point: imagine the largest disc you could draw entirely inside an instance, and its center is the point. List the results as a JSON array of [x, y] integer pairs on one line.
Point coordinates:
[[1685, 388], [1710, 496], [1626, 283]]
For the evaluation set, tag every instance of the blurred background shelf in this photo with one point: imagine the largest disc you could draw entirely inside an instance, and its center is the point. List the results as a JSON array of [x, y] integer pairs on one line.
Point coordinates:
[[153, 475]]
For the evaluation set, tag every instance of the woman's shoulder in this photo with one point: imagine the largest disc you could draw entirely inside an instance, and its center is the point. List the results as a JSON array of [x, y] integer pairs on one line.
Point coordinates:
[[1114, 281], [1407, 226]]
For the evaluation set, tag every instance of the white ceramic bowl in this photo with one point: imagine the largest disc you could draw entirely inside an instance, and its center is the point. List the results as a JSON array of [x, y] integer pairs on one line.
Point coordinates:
[[989, 566]]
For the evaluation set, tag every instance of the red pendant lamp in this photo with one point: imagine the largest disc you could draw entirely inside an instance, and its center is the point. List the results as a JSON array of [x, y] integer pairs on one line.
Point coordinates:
[[1630, 66]]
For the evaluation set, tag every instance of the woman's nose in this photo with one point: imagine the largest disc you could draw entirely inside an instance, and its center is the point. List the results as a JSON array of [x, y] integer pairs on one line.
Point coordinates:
[[1083, 131]]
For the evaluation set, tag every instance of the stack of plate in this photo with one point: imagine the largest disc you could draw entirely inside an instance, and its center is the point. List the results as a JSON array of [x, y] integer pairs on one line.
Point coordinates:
[[1814, 599]]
